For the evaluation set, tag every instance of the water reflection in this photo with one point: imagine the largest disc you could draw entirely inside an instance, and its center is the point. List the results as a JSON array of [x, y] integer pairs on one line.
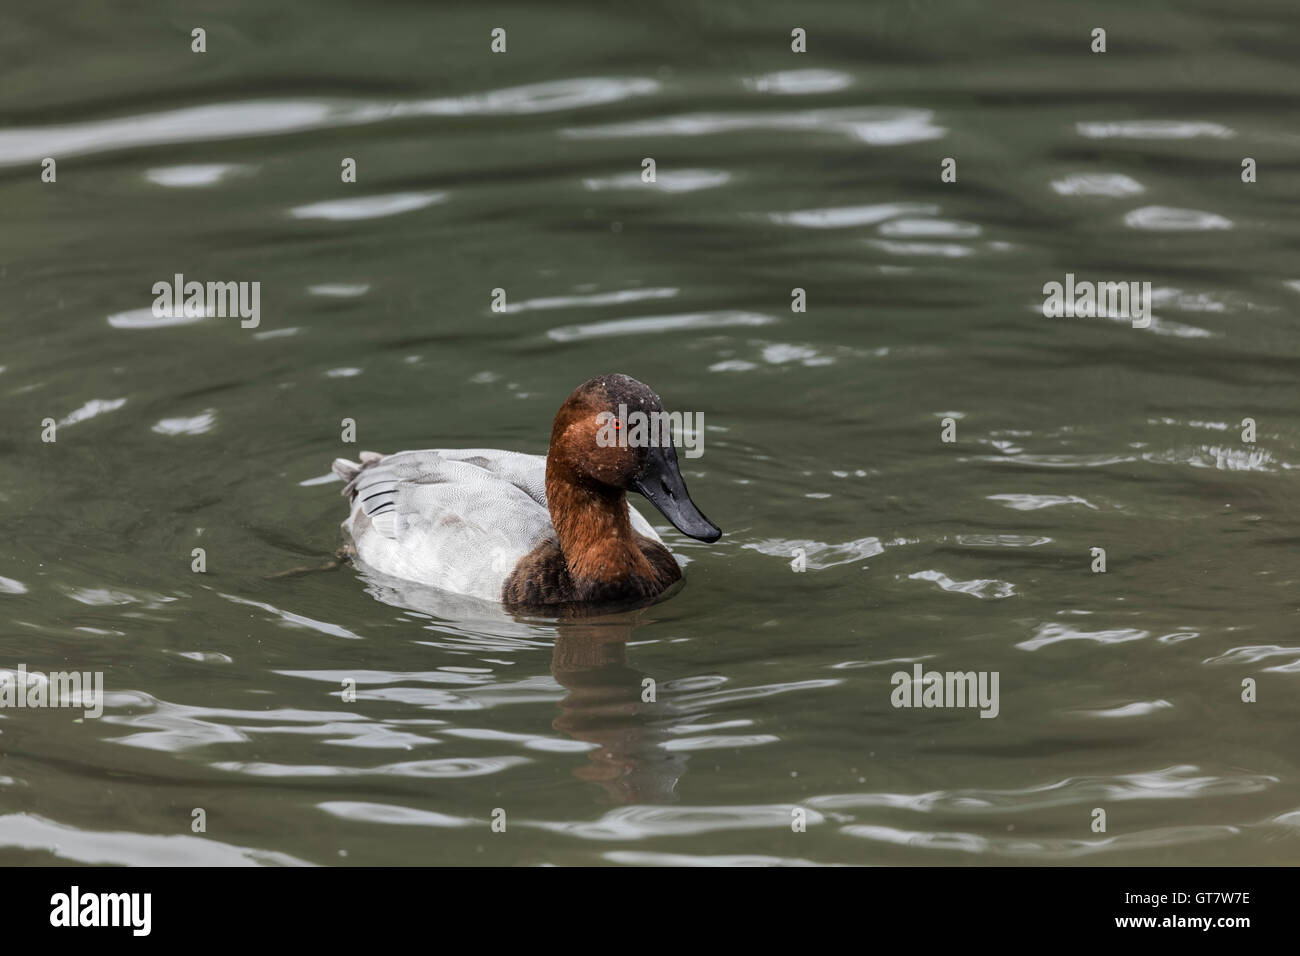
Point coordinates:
[[606, 702], [606, 706]]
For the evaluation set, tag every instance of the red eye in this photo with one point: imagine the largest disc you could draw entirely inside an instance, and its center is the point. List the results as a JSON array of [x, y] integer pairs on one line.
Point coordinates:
[[617, 424]]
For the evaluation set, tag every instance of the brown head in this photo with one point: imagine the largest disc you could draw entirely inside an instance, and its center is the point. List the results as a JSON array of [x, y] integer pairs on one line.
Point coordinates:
[[594, 448]]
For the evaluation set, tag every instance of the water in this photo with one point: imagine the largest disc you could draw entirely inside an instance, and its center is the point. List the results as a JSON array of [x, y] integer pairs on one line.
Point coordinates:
[[1118, 691]]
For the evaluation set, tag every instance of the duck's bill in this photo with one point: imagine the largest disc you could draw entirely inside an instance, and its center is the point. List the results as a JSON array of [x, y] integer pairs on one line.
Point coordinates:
[[661, 482]]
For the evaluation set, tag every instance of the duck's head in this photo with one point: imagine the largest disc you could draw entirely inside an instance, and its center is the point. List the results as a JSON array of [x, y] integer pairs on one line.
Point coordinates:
[[595, 446]]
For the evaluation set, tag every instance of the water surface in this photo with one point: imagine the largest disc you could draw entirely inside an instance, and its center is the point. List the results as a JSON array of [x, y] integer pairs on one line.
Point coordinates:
[[775, 171]]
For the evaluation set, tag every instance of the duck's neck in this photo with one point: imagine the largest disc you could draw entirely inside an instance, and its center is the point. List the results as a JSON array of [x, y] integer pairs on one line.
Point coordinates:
[[594, 531]]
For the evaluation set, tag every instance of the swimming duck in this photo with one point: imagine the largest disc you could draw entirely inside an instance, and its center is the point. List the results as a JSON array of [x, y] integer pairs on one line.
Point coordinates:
[[524, 530]]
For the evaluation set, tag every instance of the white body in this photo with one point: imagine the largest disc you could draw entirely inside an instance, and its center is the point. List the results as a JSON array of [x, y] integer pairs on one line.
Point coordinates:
[[456, 519]]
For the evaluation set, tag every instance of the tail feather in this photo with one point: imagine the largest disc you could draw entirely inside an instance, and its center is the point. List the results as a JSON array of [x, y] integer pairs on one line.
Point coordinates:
[[350, 471]]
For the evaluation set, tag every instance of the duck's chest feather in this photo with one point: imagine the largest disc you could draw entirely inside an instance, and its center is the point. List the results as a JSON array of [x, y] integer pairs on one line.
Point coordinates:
[[621, 573]]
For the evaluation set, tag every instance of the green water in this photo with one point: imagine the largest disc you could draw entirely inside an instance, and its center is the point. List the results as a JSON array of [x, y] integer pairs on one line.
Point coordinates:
[[1119, 691]]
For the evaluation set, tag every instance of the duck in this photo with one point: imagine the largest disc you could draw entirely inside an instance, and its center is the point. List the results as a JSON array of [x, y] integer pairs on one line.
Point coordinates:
[[530, 531]]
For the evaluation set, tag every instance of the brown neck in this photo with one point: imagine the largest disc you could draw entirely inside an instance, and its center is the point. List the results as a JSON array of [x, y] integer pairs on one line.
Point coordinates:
[[592, 524]]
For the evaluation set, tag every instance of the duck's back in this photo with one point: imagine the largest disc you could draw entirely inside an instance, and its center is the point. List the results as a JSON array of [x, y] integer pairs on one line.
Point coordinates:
[[457, 519]]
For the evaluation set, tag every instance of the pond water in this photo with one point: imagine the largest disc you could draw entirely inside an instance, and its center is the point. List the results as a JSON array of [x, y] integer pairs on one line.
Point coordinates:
[[824, 429]]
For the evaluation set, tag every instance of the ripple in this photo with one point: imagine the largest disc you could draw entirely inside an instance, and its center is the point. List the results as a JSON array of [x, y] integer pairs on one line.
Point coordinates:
[[339, 290], [846, 217], [553, 96], [799, 82], [1047, 634], [119, 597], [1178, 782], [720, 741], [698, 682], [367, 207], [253, 118], [818, 555], [1216, 457], [1170, 219], [1097, 184], [164, 726], [296, 620], [10, 586], [422, 697], [195, 425], [1061, 461], [1190, 423], [205, 657], [442, 769], [779, 353], [1034, 502], [691, 703], [921, 839], [149, 319], [617, 297], [1174, 298], [1141, 708], [1160, 326], [192, 177], [886, 662], [92, 408], [1154, 129], [668, 181], [648, 858], [986, 589], [327, 479], [277, 333], [1255, 653], [555, 745], [695, 727], [192, 124], [946, 250], [873, 125], [365, 812], [365, 677], [658, 323], [1059, 848], [27, 831], [1002, 540], [927, 228], [645, 822]]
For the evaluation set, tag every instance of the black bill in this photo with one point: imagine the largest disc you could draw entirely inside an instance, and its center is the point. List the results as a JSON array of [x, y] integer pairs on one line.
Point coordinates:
[[661, 481]]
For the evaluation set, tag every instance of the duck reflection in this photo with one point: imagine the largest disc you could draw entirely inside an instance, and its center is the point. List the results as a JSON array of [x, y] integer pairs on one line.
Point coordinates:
[[607, 704], [610, 705]]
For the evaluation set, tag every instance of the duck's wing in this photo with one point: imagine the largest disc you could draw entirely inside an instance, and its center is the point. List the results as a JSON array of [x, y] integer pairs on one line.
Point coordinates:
[[458, 519], [428, 517]]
